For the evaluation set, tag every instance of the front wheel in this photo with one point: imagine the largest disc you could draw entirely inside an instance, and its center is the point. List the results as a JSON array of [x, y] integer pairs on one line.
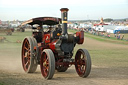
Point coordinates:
[[47, 64], [83, 63]]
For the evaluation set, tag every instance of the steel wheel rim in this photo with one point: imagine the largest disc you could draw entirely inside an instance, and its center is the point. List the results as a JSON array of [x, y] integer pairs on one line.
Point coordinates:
[[26, 54], [45, 65], [80, 63]]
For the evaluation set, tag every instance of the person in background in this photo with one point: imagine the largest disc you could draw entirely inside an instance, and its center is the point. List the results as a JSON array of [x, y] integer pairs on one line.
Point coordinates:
[[122, 37], [115, 34], [119, 36], [103, 34], [108, 35]]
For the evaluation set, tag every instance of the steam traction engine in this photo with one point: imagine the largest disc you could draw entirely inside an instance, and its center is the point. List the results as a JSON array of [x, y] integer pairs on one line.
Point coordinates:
[[53, 48]]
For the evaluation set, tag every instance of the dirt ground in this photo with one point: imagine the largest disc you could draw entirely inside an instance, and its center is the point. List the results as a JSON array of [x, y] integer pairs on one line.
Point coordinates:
[[11, 72]]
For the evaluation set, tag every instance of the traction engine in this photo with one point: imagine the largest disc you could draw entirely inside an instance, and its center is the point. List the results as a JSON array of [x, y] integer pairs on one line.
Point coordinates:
[[52, 47]]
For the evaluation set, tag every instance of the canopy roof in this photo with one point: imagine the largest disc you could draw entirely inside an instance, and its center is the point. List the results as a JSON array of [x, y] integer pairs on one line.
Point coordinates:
[[43, 21]]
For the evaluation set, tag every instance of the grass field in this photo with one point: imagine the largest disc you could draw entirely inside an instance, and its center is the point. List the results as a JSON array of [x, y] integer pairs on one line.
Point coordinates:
[[16, 36]]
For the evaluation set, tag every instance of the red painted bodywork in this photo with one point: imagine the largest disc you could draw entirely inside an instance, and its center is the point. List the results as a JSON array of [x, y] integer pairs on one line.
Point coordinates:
[[52, 45], [46, 38], [81, 37], [48, 43]]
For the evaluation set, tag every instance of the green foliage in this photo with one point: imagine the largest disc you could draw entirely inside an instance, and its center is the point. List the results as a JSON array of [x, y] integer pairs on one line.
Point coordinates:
[[108, 20]]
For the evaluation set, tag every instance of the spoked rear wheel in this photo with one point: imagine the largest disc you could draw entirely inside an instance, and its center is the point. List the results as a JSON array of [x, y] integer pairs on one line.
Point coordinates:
[[83, 63], [28, 58], [47, 64]]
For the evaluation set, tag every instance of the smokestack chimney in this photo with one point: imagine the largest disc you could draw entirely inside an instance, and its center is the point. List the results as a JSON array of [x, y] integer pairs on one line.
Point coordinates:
[[64, 17]]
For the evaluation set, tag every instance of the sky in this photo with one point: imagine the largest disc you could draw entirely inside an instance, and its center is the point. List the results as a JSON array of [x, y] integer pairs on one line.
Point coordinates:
[[78, 9]]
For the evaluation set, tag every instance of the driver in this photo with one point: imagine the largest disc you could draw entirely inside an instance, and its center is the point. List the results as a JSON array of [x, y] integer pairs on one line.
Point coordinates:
[[49, 29]]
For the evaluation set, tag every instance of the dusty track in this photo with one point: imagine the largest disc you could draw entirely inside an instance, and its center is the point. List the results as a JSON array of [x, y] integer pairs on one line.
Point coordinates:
[[11, 72]]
